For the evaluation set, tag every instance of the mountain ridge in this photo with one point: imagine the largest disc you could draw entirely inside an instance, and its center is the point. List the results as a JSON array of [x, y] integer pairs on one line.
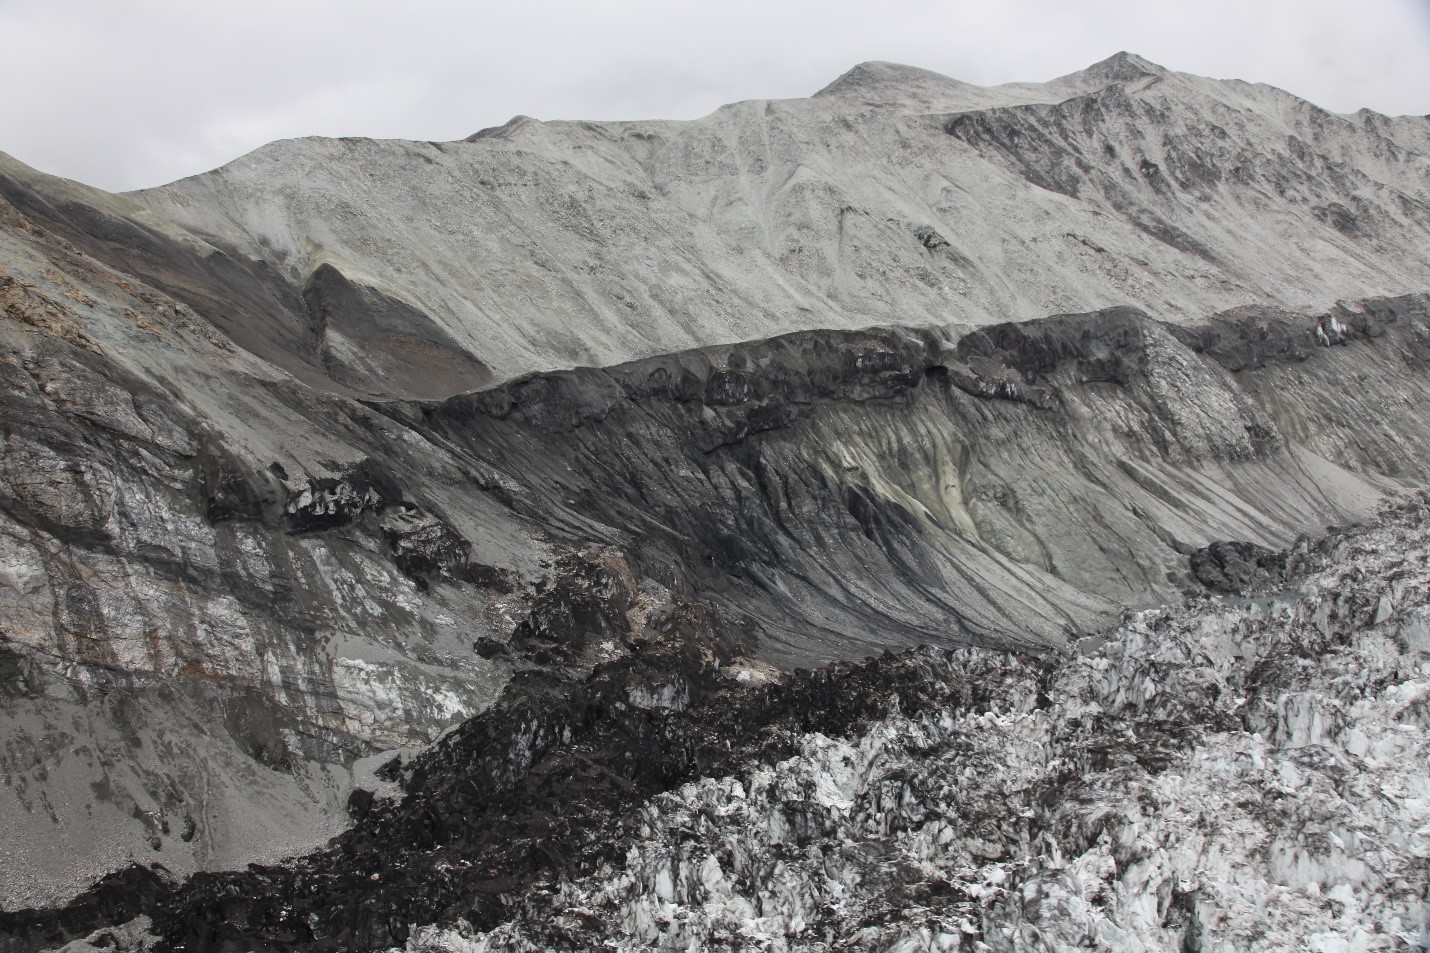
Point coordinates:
[[309, 460], [604, 242]]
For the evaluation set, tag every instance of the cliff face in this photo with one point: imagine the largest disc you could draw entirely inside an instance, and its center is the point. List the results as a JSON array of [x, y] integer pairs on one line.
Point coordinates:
[[300, 470], [203, 624]]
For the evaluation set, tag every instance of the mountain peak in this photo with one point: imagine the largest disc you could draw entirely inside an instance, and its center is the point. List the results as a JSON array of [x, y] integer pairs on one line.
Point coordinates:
[[879, 80], [1121, 67]]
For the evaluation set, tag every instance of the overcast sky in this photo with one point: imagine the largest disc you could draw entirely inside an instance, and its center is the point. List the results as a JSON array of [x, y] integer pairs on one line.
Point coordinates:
[[131, 93]]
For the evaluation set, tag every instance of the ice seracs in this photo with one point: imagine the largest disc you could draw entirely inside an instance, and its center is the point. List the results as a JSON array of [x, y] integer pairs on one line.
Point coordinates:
[[1217, 776]]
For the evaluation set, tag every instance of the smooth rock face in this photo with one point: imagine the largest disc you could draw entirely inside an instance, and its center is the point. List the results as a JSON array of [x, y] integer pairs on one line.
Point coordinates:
[[303, 469]]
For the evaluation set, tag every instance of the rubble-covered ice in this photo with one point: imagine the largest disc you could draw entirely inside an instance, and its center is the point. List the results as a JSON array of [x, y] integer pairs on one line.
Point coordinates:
[[1219, 776]]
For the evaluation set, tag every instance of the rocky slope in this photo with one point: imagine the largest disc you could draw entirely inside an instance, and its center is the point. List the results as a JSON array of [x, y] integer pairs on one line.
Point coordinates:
[[294, 483], [894, 196], [1217, 775]]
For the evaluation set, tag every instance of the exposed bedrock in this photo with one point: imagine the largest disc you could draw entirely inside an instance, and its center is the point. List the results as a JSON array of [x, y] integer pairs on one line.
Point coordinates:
[[199, 646]]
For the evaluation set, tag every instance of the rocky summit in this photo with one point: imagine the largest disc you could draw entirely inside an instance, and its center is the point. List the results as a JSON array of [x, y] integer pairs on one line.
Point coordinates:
[[919, 517]]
